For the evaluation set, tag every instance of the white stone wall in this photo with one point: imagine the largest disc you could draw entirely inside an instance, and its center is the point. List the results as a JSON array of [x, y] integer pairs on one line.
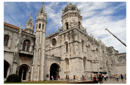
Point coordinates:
[[120, 61], [12, 43], [121, 70], [25, 60], [8, 57]]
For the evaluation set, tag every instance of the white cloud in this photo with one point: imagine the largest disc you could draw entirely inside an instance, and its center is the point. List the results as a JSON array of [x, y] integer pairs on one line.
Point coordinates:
[[53, 15], [88, 9], [107, 12]]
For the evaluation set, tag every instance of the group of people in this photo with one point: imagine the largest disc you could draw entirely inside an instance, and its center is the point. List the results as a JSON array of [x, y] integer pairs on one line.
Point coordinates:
[[99, 78], [74, 77], [52, 78], [67, 77], [96, 78], [122, 77]]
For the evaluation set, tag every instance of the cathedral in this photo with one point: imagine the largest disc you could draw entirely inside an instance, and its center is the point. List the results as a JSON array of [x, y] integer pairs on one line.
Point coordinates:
[[70, 51]]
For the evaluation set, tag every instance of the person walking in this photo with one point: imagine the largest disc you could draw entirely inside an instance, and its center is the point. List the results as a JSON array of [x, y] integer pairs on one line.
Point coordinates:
[[125, 76], [67, 77], [74, 78], [100, 79], [83, 77], [116, 77], [105, 77], [52, 77], [122, 77], [58, 77], [94, 79]]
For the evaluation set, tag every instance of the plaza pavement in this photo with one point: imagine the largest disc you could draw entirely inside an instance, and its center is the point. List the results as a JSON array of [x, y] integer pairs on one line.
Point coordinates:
[[109, 81], [113, 81]]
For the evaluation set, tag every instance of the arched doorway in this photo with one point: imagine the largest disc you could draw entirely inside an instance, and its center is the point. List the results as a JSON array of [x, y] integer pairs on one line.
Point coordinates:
[[54, 71], [6, 66], [23, 72]]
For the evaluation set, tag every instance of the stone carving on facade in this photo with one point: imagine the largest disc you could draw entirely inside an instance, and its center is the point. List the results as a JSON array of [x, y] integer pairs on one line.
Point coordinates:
[[121, 58], [20, 29], [29, 25], [73, 23], [109, 49]]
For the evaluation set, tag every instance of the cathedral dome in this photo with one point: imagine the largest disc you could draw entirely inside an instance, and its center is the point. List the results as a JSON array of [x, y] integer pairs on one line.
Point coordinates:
[[71, 7]]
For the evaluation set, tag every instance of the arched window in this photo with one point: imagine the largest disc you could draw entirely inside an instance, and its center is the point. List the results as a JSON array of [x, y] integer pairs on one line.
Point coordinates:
[[67, 64], [53, 41], [66, 25], [39, 26], [84, 63], [6, 40], [79, 25], [26, 45], [66, 45], [73, 8]]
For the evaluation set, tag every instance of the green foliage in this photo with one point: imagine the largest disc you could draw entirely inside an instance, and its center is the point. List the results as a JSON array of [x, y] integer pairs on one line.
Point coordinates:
[[13, 78]]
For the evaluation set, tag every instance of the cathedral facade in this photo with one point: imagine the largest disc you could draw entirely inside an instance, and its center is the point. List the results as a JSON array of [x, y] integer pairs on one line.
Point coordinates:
[[69, 51]]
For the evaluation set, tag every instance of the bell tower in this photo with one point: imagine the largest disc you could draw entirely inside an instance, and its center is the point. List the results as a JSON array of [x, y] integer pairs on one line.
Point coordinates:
[[39, 51], [72, 27], [71, 17]]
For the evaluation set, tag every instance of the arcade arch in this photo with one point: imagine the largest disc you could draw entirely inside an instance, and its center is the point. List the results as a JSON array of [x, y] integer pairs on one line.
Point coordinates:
[[54, 71], [24, 72]]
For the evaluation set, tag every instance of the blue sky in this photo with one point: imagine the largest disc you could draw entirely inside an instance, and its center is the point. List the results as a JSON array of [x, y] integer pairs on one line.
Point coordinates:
[[96, 17]]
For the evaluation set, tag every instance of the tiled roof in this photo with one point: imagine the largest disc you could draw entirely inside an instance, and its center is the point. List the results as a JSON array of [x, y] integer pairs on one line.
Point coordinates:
[[15, 27]]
